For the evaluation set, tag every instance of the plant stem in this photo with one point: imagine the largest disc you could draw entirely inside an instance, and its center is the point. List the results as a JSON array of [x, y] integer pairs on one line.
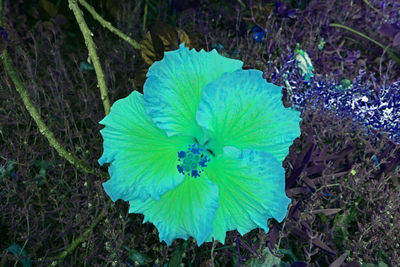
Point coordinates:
[[87, 35], [371, 6], [108, 25], [386, 48], [10, 70], [146, 7]]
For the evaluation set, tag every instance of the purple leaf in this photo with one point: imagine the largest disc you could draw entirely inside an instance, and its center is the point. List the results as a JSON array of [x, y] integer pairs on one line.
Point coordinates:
[[396, 39], [310, 183], [296, 191], [300, 164], [389, 29], [338, 262], [294, 212], [317, 242]]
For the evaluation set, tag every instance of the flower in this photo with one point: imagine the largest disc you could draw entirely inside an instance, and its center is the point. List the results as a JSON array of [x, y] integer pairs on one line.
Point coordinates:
[[304, 63], [200, 152], [258, 34]]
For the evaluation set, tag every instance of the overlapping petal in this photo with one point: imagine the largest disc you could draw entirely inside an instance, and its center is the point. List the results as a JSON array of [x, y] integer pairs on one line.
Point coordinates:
[[143, 158], [182, 212], [234, 114], [174, 87], [241, 109], [251, 190]]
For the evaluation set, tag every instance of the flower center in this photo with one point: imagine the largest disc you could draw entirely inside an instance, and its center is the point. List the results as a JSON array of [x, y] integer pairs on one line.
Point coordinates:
[[192, 161]]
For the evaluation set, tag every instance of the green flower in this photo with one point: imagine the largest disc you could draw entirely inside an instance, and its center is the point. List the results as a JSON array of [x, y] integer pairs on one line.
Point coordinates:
[[200, 152], [304, 63]]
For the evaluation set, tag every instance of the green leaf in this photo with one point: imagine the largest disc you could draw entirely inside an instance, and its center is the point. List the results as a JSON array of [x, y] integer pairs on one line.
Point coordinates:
[[270, 260], [345, 83], [322, 217], [303, 4], [384, 257], [379, 264], [353, 213], [136, 256], [176, 257], [21, 253], [290, 253], [340, 235], [7, 170], [83, 66], [40, 178], [49, 7], [321, 43]]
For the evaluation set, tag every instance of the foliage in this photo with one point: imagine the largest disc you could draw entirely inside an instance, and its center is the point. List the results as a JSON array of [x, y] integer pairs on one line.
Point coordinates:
[[333, 213]]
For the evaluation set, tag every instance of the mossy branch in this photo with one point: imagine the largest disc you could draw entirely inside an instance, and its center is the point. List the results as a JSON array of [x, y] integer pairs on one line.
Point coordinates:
[[386, 48], [108, 25], [87, 35], [9, 68]]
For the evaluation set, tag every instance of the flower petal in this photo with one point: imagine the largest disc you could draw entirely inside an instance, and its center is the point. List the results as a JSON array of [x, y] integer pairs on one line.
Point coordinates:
[[241, 109], [143, 159], [185, 211], [251, 190], [174, 85]]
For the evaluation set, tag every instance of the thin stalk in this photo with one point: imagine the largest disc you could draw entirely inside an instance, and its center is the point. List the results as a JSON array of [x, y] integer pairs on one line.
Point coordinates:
[[108, 25], [87, 35], [386, 48], [146, 7], [10, 70], [371, 6]]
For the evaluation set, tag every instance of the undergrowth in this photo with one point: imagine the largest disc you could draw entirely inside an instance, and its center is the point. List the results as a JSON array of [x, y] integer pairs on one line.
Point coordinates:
[[343, 181]]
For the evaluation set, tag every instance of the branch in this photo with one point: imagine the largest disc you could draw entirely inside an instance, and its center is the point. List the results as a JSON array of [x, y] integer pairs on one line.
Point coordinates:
[[108, 25], [9, 68], [87, 35], [371, 6]]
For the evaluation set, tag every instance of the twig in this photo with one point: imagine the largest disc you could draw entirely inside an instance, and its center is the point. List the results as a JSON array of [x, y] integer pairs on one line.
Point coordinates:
[[386, 48], [1, 12], [242, 4], [212, 251], [146, 8], [10, 70], [108, 25], [253, 18], [87, 35], [250, 249], [238, 249], [371, 6]]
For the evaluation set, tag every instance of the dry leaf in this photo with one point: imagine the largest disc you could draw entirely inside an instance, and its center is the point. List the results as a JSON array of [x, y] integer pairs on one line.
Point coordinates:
[[140, 77], [115, 8], [49, 7], [163, 37]]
